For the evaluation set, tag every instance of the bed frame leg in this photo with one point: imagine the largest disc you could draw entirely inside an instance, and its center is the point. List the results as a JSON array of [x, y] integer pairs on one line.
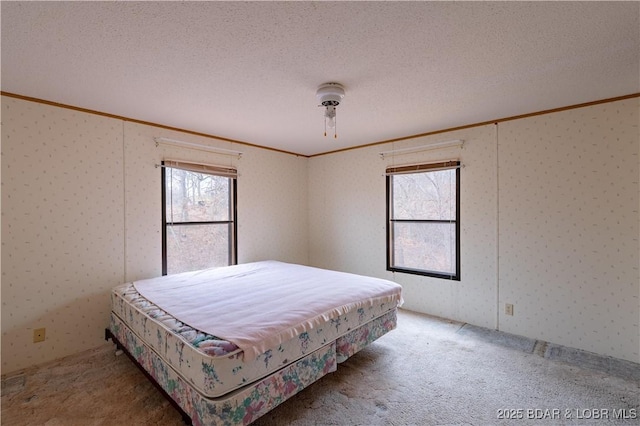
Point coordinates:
[[108, 336]]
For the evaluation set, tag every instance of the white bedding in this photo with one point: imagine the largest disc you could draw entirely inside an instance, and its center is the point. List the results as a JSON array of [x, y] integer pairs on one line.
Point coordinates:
[[273, 301]]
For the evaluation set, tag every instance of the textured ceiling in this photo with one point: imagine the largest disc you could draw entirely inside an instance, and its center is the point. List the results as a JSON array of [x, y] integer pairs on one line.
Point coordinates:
[[249, 71]]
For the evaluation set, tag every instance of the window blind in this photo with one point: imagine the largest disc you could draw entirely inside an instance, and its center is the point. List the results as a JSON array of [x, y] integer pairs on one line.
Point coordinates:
[[229, 172], [428, 167]]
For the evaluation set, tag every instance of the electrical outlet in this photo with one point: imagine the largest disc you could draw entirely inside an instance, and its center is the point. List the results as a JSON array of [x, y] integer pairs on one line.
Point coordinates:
[[38, 335], [508, 309]]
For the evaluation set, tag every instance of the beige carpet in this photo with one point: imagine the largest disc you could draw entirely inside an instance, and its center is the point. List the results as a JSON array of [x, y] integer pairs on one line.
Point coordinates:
[[427, 372]]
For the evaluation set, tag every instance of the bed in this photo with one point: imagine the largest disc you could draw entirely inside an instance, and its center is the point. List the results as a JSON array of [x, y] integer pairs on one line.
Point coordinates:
[[226, 345]]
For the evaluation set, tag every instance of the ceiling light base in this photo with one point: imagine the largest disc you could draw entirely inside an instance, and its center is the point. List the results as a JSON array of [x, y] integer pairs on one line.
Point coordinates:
[[330, 95]]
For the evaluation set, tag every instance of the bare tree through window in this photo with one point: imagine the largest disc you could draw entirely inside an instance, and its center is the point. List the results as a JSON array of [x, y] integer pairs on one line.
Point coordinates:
[[199, 222], [423, 225]]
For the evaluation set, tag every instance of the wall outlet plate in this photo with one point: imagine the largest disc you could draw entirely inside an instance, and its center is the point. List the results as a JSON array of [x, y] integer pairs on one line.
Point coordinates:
[[508, 309], [38, 335]]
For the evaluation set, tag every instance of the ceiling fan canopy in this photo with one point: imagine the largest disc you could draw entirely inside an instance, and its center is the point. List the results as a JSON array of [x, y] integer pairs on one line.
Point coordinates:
[[330, 95]]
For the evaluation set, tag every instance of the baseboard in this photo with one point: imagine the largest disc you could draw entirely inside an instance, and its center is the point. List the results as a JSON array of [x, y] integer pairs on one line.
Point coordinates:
[[593, 361], [578, 357]]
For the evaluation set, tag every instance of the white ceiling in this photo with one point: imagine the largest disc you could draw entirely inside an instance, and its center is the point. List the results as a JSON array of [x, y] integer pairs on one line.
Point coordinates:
[[249, 71]]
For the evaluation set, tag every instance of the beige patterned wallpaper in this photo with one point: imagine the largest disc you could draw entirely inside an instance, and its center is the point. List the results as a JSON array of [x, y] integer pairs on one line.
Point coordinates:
[[272, 199], [569, 227], [550, 224], [62, 228], [549, 205], [81, 214], [348, 214]]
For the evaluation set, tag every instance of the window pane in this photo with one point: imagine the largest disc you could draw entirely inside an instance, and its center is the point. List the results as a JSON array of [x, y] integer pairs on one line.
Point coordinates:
[[430, 195], [425, 246], [196, 197], [193, 247]]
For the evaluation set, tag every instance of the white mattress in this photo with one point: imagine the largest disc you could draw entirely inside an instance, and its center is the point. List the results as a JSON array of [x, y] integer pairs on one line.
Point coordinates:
[[215, 366], [262, 304]]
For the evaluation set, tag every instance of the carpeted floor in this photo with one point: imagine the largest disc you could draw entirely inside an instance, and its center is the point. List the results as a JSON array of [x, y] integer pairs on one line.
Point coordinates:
[[429, 371]]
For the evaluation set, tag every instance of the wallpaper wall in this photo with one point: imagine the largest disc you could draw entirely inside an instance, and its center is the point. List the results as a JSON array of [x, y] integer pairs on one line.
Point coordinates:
[[272, 199], [569, 226], [348, 230], [81, 214], [550, 224], [62, 229]]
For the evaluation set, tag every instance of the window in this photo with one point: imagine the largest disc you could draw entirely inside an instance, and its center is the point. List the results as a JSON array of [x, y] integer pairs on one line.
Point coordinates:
[[198, 216], [423, 219]]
